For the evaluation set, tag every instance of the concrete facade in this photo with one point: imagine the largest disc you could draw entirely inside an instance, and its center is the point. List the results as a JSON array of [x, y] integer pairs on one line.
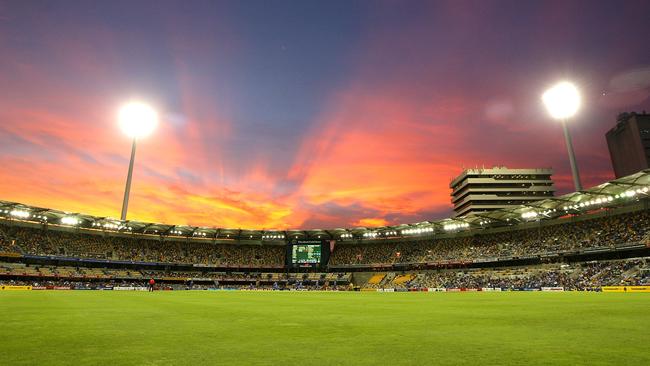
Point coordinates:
[[482, 190]]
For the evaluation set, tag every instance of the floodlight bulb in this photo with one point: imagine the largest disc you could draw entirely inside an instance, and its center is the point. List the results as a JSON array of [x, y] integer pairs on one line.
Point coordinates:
[[137, 119], [562, 101]]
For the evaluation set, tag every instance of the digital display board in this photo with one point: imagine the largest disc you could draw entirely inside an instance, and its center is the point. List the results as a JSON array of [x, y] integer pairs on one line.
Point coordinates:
[[306, 253]]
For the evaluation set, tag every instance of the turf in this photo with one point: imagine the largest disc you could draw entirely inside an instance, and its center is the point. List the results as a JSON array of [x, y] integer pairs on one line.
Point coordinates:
[[319, 328]]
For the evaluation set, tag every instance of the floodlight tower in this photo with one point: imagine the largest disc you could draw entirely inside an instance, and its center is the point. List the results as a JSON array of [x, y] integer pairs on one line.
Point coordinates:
[[562, 102], [136, 120]]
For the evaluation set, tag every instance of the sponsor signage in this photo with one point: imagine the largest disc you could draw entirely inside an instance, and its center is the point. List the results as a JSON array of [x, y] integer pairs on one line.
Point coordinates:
[[129, 288], [15, 288], [552, 289], [626, 289], [630, 246], [595, 250], [10, 254]]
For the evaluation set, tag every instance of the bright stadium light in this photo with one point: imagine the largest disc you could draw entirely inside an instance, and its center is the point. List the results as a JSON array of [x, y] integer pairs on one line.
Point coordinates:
[[137, 120], [562, 102]]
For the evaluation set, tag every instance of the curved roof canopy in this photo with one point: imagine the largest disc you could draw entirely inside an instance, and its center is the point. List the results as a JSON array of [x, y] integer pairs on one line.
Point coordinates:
[[610, 194]]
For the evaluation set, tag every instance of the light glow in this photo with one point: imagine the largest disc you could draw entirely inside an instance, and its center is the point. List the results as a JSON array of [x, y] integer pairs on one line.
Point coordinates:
[[529, 215], [456, 226], [562, 101], [69, 220], [137, 119], [417, 231], [20, 213]]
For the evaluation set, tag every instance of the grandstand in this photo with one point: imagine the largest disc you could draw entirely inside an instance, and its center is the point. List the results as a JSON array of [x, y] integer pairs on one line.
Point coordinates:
[[583, 240], [590, 276]]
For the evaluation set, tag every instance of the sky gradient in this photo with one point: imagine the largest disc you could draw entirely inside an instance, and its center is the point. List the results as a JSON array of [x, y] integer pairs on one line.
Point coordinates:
[[287, 114]]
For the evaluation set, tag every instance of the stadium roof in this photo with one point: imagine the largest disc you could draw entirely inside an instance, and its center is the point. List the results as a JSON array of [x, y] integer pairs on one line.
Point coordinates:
[[611, 194]]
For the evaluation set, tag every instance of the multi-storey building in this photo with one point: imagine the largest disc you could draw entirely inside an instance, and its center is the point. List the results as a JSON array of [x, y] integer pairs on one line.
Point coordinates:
[[481, 190], [629, 143]]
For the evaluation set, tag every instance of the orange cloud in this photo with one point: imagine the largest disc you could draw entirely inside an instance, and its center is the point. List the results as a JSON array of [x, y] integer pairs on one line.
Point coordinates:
[[370, 222], [380, 153]]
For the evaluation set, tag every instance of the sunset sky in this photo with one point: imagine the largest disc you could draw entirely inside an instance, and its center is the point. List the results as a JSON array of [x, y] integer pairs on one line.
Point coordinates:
[[286, 114]]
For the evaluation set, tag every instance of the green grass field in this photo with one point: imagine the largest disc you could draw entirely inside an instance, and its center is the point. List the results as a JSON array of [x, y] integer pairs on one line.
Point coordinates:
[[322, 328]]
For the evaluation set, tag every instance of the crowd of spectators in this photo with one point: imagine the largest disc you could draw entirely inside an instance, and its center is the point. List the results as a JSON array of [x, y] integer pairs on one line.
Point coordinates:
[[91, 277], [585, 276], [32, 241], [600, 232], [6, 245], [78, 245], [591, 233], [18, 269]]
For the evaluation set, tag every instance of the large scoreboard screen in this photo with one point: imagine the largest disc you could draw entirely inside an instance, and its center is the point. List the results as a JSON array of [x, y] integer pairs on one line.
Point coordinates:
[[306, 252]]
